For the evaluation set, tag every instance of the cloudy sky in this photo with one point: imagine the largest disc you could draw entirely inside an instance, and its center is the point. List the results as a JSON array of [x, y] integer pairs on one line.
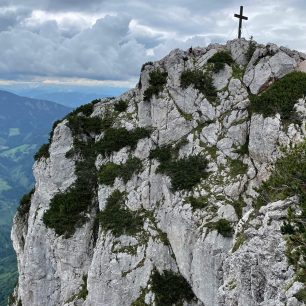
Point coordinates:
[[98, 42]]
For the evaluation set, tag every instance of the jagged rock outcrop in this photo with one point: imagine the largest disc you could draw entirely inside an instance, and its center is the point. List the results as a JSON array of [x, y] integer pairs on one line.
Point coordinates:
[[96, 266]]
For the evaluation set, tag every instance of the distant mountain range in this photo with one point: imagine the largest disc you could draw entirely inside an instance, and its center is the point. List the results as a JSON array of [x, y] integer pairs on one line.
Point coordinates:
[[24, 125], [71, 96]]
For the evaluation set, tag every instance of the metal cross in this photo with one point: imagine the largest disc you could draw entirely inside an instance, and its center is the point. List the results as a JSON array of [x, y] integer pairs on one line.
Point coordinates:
[[240, 20]]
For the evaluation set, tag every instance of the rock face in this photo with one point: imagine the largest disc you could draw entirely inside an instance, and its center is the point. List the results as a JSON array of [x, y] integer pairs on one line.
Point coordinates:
[[95, 267]]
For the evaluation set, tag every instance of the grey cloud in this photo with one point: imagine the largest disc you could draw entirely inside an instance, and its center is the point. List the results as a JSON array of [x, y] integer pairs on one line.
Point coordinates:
[[101, 52], [9, 18], [112, 49]]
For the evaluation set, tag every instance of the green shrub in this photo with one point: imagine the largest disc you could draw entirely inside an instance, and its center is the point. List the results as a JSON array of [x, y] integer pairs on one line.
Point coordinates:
[[197, 203], [219, 60], [25, 203], [201, 81], [116, 139], [170, 288], [54, 125], [43, 151], [157, 81], [281, 97], [67, 210], [108, 172], [224, 228], [162, 154], [146, 64], [132, 165], [117, 218], [185, 173], [86, 125], [121, 106], [86, 109]]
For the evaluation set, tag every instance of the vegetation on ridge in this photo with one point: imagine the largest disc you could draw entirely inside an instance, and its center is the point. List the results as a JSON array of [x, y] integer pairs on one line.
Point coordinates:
[[185, 173], [157, 81], [201, 81], [219, 60], [281, 97], [108, 172], [117, 218]]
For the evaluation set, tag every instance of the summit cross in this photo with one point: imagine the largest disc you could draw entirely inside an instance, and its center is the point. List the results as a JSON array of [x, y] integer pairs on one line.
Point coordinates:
[[240, 20]]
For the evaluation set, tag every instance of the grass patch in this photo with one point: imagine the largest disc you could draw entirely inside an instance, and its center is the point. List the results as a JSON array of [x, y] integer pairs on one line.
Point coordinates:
[[201, 81], [198, 203], [219, 60], [108, 172], [121, 106], [117, 218], [170, 288], [157, 81], [237, 167], [281, 97], [237, 72]]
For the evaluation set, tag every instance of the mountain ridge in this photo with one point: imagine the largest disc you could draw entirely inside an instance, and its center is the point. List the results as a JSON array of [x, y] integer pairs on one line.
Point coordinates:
[[174, 210]]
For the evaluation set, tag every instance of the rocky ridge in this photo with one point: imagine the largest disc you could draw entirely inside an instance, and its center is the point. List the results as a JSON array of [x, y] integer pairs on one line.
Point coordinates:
[[210, 235]]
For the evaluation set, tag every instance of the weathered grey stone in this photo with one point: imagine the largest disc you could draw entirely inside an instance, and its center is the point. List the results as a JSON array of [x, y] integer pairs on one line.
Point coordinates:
[[267, 70], [264, 133]]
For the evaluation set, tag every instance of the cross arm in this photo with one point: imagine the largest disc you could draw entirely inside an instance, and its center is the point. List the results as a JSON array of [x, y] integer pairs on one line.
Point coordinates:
[[241, 17]]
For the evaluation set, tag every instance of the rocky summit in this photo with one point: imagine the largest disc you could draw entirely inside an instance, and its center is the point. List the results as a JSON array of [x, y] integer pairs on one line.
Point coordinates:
[[187, 190]]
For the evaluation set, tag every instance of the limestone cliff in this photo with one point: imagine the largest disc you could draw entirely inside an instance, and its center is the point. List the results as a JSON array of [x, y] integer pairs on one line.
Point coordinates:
[[152, 198]]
